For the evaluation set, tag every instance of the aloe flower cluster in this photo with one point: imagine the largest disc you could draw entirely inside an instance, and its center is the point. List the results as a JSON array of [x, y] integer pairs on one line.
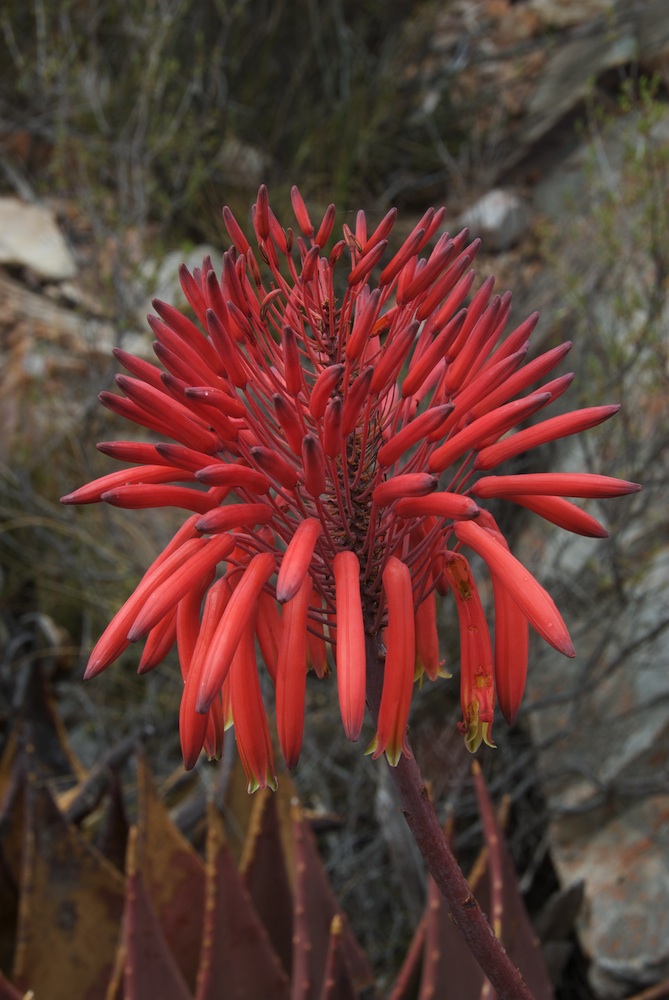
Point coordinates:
[[334, 422]]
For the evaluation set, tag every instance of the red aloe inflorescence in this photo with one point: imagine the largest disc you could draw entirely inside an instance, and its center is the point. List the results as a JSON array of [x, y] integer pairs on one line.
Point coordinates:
[[334, 437]]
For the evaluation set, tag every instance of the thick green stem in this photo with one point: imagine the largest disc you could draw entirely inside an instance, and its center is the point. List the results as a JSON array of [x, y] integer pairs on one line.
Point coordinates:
[[429, 836]]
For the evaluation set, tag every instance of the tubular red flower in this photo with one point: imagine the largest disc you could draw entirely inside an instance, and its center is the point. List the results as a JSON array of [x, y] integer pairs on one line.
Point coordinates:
[[336, 430], [234, 476], [233, 515], [350, 652], [317, 658], [291, 674], [234, 231], [563, 484], [404, 254], [114, 640], [291, 355], [547, 430], [192, 724], [139, 496], [240, 607], [159, 642], [275, 466], [520, 380], [324, 385], [301, 213], [166, 596], [398, 674], [290, 423], [248, 713], [413, 484], [449, 505], [419, 428], [92, 492], [477, 693], [364, 321], [326, 226], [164, 408], [297, 558], [511, 639], [427, 640], [355, 400], [455, 282], [563, 513], [393, 357], [333, 437], [441, 257], [382, 231], [492, 425], [268, 631], [367, 264], [421, 367], [536, 603], [313, 460], [129, 451]]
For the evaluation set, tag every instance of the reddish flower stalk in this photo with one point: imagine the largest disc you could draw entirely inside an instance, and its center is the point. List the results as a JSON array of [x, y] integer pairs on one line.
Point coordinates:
[[423, 822], [331, 443]]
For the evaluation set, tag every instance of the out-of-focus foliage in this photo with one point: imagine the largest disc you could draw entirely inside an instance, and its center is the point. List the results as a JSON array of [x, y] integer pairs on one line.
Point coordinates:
[[151, 110], [256, 915]]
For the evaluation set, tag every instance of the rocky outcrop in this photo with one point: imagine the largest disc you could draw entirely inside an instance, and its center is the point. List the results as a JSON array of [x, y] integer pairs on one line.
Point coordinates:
[[501, 218], [516, 70], [30, 238]]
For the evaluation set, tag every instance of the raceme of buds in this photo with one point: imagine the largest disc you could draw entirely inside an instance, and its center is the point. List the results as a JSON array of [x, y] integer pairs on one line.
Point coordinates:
[[333, 438]]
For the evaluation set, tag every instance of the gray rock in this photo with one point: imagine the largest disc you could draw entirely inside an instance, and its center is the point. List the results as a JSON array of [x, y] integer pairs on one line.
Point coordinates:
[[625, 922], [565, 13], [600, 722], [524, 67], [501, 218], [30, 237]]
